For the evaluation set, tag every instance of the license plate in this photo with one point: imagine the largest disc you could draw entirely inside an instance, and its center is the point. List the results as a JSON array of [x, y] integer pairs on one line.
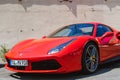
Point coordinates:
[[18, 63]]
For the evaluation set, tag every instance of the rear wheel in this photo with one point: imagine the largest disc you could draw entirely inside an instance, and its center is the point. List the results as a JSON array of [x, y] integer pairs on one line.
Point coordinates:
[[90, 58]]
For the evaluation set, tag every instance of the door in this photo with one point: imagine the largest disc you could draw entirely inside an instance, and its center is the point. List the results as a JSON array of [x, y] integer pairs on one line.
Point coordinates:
[[105, 34]]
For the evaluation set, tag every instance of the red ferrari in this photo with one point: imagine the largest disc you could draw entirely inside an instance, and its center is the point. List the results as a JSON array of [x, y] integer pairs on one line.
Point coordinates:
[[72, 48]]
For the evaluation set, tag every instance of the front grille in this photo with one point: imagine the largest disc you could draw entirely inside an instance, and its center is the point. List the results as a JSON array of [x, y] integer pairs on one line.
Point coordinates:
[[18, 67], [46, 65], [15, 67]]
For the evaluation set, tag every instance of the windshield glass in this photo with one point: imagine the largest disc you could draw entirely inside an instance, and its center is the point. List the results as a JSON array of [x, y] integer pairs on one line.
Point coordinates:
[[74, 30]]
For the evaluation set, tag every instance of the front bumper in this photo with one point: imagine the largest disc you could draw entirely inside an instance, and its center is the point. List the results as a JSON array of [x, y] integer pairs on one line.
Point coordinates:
[[49, 64], [41, 65]]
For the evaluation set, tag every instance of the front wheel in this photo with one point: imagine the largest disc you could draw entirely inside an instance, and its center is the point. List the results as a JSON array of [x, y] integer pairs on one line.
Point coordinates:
[[90, 58]]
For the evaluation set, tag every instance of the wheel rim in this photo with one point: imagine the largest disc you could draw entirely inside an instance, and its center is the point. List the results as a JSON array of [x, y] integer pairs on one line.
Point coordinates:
[[91, 58]]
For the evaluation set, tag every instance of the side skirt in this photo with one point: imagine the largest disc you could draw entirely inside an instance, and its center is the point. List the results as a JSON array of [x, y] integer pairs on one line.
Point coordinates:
[[110, 60]]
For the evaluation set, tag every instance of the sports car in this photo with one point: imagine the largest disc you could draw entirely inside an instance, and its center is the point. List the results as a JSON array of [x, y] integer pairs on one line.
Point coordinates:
[[76, 47]]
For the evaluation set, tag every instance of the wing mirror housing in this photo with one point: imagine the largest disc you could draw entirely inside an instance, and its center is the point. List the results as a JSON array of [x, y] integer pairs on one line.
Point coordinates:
[[106, 38], [107, 34]]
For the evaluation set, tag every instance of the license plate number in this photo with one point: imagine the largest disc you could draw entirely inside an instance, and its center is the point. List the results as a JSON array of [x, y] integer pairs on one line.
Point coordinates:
[[18, 62]]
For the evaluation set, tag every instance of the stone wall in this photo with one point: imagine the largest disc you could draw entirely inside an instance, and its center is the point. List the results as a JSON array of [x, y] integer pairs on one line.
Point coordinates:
[[35, 18]]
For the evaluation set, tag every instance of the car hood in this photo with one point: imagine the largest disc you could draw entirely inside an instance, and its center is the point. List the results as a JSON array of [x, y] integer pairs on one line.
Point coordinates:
[[35, 48]]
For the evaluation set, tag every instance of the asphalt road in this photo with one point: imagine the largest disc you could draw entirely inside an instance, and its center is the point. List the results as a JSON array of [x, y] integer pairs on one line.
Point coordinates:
[[109, 71]]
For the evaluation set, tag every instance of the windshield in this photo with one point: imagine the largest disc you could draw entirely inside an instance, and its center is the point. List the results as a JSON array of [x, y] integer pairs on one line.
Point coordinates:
[[74, 30]]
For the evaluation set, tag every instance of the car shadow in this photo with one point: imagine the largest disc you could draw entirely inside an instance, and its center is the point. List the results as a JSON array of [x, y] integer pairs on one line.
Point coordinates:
[[71, 76]]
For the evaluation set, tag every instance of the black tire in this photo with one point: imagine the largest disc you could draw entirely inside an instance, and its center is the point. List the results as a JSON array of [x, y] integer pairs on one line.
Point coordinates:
[[90, 58]]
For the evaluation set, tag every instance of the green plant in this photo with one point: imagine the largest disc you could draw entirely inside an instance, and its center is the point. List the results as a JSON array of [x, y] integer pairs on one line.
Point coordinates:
[[3, 50]]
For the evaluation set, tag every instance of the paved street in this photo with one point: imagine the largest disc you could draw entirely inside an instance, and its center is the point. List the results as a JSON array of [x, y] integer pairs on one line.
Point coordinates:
[[109, 71]]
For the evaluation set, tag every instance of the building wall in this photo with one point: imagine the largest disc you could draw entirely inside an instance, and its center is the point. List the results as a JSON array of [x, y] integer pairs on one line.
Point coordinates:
[[35, 18]]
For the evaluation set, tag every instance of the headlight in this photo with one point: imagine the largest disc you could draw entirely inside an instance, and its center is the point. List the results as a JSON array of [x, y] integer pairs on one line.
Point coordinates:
[[60, 47]]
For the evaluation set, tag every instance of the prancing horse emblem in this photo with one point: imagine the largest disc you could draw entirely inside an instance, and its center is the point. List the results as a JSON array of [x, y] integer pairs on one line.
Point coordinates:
[[21, 54]]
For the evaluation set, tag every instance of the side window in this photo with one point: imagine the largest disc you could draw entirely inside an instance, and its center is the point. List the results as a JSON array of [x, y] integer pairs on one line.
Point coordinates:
[[102, 29]]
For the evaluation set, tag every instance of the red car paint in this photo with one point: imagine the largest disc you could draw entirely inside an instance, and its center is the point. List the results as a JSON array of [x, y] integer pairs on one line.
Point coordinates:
[[69, 58]]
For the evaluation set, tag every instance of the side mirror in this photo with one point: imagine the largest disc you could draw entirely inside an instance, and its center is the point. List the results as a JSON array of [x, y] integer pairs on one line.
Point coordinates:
[[44, 37], [105, 39]]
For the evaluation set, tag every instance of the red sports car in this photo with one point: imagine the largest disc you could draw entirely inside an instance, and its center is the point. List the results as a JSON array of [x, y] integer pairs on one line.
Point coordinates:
[[72, 48]]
